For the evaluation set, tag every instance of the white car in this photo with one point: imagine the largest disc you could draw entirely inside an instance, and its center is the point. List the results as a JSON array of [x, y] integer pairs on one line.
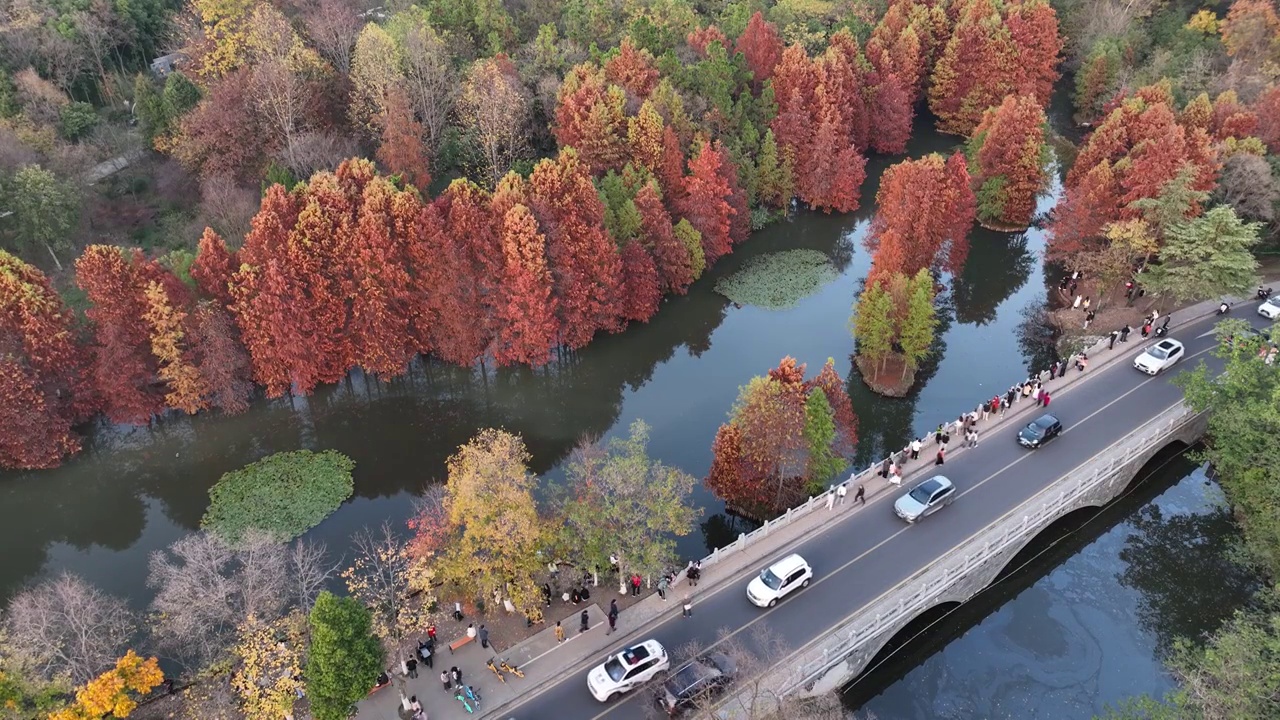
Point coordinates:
[[1271, 308], [779, 580], [628, 669], [1160, 356]]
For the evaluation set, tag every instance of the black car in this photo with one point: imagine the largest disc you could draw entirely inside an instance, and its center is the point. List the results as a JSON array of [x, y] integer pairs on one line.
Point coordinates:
[[1039, 431], [696, 683]]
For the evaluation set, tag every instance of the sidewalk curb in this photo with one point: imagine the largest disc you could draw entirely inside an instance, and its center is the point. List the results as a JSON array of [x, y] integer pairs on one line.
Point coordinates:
[[726, 571]]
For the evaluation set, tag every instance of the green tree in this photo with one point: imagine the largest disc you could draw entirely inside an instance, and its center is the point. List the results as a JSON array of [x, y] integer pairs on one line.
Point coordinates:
[[1205, 258], [621, 218], [180, 96], [345, 656], [775, 179], [148, 107], [692, 239], [873, 324], [77, 119], [619, 501], [45, 210], [820, 434], [920, 320], [1178, 200]]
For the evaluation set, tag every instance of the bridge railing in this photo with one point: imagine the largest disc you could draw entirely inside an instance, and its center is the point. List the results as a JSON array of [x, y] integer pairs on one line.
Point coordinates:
[[921, 591]]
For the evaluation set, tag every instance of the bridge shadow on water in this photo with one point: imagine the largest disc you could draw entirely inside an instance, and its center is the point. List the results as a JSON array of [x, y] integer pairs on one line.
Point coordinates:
[[934, 629]]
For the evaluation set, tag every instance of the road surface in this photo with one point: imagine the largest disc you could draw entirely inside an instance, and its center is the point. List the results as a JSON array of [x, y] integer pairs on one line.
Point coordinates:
[[865, 556]]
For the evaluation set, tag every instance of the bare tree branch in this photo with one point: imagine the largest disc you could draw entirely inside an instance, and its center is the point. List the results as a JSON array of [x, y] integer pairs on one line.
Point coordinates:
[[67, 629]]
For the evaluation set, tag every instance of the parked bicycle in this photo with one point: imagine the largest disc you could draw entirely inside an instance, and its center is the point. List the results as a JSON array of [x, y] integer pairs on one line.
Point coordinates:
[[461, 697], [507, 667], [495, 670]]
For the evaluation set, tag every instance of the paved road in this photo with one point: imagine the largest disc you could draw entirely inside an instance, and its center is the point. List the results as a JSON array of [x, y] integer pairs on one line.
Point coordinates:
[[859, 559]]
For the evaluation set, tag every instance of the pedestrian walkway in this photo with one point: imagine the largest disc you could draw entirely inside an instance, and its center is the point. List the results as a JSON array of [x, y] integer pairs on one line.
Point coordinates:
[[545, 661]]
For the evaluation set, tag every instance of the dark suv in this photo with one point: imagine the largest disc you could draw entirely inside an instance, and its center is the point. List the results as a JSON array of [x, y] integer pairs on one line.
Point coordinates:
[[1040, 431], [696, 683]]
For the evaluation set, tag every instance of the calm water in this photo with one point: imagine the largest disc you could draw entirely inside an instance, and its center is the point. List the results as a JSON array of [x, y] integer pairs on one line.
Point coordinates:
[[1085, 622]]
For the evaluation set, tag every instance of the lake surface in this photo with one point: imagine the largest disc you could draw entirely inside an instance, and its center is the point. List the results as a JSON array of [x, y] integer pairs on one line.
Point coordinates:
[[135, 490], [1084, 623]]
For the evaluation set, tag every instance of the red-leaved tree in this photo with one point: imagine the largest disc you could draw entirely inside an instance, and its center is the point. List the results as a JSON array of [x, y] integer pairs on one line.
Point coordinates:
[[1008, 148], [761, 47], [671, 257], [401, 149], [44, 388], [526, 310], [925, 208], [632, 69], [213, 267], [707, 202]]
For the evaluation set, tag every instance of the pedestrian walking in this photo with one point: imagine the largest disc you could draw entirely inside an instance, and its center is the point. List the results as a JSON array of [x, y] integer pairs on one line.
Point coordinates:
[[915, 449], [1082, 362], [412, 666], [1164, 326], [1088, 318], [585, 620], [937, 436], [1124, 333], [1111, 343], [455, 673], [946, 438], [1008, 400], [861, 495], [457, 611], [635, 584], [1076, 304], [484, 636], [842, 491], [695, 573], [1146, 329], [884, 468], [941, 456], [1085, 304], [613, 617], [688, 606], [831, 497], [973, 441], [986, 410], [1155, 315], [444, 680], [559, 632], [894, 469], [662, 588], [546, 593], [1046, 399], [896, 478], [1038, 394]]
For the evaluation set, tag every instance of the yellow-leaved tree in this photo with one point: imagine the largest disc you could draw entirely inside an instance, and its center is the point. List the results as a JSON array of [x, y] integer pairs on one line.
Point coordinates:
[[494, 529], [114, 692], [269, 679], [227, 26]]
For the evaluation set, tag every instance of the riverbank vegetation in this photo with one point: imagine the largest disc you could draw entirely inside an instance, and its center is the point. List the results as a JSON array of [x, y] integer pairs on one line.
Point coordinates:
[[487, 187], [282, 495], [787, 437]]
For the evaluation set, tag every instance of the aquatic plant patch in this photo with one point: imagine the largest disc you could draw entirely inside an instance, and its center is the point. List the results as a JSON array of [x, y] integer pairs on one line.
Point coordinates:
[[283, 495], [779, 280]]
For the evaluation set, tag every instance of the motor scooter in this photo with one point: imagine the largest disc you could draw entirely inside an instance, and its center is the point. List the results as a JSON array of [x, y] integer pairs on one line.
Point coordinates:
[[1224, 308], [1264, 293]]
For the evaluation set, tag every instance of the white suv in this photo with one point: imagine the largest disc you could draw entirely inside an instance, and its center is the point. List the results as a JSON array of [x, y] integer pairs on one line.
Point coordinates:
[[628, 669], [779, 580], [1271, 308]]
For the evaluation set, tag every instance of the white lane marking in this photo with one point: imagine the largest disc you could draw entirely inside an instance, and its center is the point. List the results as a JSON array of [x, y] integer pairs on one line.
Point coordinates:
[[860, 556]]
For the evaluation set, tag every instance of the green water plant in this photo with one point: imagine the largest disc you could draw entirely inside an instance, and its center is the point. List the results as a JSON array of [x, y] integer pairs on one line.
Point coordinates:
[[283, 495], [779, 280]]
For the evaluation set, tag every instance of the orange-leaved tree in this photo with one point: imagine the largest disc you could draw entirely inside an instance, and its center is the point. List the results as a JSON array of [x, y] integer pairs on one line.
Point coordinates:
[[1007, 154], [115, 691]]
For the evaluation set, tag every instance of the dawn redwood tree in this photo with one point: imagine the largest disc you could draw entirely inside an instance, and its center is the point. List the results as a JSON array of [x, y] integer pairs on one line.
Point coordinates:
[[729, 477], [526, 327], [740, 221], [1231, 118], [585, 266], [671, 258], [1033, 25], [701, 37], [820, 435], [775, 174], [644, 137], [919, 321], [892, 114], [220, 358], [977, 68], [632, 69], [795, 80], [400, 147], [761, 47], [213, 267], [276, 330], [1085, 210], [1267, 108], [873, 323], [707, 202], [832, 178], [470, 269], [641, 290], [44, 385], [379, 312], [125, 370], [927, 206], [590, 117], [770, 415], [1007, 153], [833, 386], [187, 389]]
